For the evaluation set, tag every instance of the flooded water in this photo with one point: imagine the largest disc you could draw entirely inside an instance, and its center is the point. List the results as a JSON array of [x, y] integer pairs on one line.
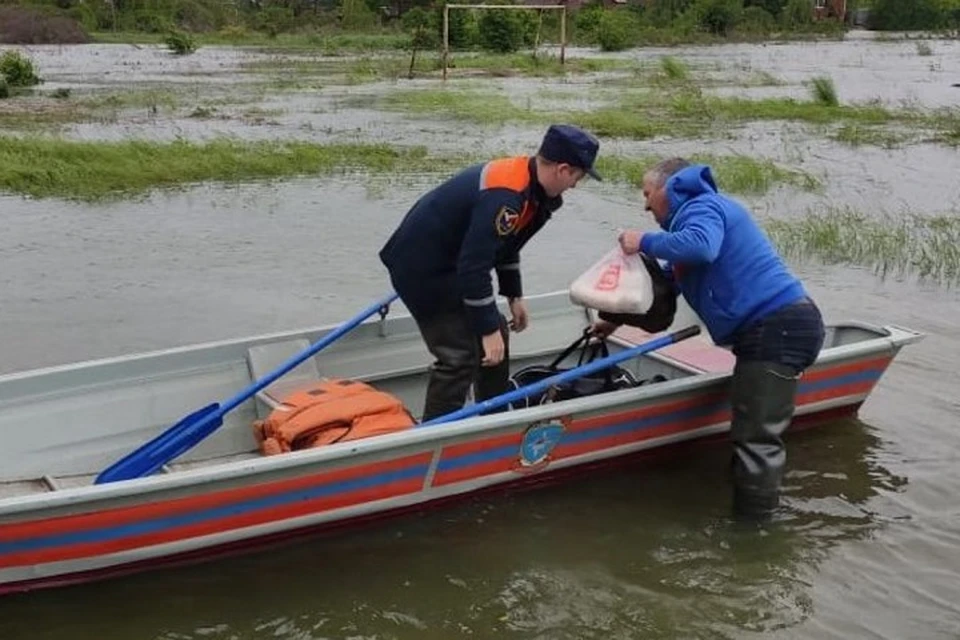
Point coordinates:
[[869, 546]]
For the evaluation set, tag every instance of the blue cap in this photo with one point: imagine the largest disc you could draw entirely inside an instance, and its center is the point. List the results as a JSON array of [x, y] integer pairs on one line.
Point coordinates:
[[571, 145]]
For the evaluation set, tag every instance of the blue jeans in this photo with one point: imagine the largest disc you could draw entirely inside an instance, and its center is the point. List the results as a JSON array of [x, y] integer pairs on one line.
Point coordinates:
[[791, 336]]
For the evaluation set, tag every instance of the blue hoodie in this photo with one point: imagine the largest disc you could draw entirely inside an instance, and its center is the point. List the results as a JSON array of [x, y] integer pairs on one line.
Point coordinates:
[[725, 266]]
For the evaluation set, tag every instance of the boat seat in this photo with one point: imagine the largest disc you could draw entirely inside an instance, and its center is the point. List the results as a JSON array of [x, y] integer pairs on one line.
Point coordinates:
[[265, 358], [697, 353]]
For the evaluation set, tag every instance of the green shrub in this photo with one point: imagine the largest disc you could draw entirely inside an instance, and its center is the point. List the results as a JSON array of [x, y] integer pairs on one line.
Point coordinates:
[[501, 31], [904, 16], [615, 31], [757, 20], [771, 7], [718, 17], [462, 28], [17, 70], [181, 43], [586, 22]]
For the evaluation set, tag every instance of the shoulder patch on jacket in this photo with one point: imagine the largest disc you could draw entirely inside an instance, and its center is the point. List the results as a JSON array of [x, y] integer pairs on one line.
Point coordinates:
[[506, 221]]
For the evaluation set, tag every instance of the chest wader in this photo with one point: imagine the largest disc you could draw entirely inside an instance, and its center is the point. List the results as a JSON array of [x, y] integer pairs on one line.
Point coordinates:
[[762, 399]]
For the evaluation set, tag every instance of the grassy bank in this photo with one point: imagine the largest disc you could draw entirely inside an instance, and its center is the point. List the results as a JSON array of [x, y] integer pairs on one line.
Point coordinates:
[[92, 171], [100, 170], [891, 244]]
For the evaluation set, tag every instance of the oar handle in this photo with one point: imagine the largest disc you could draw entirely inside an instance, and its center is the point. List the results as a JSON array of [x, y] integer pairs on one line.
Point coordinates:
[[686, 332], [565, 376]]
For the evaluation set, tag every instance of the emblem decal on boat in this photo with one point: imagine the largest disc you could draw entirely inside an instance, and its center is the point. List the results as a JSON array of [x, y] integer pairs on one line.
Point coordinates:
[[538, 442]]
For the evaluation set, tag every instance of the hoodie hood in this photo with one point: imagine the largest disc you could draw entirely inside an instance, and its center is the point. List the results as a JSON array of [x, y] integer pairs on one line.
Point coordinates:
[[685, 185]]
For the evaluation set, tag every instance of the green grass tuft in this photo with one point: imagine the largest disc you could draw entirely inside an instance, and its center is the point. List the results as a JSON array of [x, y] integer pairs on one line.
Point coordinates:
[[823, 92], [927, 246], [674, 69]]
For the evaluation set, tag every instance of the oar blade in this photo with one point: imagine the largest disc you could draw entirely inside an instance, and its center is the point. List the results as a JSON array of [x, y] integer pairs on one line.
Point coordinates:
[[191, 430], [149, 457]]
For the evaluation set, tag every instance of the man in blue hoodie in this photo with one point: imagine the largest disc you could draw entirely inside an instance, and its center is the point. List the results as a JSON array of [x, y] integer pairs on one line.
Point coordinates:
[[731, 276]]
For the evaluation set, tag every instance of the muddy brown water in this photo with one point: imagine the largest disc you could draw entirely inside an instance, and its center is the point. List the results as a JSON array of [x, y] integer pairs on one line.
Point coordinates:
[[868, 546]]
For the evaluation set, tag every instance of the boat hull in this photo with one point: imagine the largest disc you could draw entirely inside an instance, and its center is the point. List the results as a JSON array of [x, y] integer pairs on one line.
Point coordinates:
[[213, 550]]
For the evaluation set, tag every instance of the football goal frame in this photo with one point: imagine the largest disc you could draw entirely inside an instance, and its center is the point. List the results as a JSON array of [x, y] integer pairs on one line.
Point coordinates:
[[537, 7]]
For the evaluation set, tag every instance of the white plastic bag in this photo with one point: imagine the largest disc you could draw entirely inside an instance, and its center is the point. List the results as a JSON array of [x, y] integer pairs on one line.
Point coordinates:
[[617, 283]]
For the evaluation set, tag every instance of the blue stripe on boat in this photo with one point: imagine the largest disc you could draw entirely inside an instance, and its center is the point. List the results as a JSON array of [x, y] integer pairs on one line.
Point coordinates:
[[159, 524], [867, 375], [617, 428]]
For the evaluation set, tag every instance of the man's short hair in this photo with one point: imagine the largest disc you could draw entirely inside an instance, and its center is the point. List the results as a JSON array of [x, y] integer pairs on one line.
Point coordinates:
[[661, 171]]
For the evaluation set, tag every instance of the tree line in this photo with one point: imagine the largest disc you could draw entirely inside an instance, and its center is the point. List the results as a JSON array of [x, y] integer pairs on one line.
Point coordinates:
[[611, 28]]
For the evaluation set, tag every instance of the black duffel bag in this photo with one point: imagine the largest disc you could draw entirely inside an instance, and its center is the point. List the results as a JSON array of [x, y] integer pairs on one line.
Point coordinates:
[[609, 379]]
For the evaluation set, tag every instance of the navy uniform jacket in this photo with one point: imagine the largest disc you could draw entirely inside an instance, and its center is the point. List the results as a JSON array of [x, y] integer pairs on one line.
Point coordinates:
[[441, 255]]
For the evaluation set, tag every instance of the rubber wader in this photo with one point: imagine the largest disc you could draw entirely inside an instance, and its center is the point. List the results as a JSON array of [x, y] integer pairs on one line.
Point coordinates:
[[762, 399]]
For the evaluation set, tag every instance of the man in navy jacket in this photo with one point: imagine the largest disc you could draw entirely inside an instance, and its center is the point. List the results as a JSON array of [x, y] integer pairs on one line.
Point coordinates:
[[441, 255], [731, 276]]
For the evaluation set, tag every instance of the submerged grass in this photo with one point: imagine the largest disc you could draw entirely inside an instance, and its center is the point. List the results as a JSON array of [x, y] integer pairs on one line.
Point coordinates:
[[93, 171], [474, 106], [534, 65], [671, 104], [739, 109], [928, 246], [737, 174], [488, 108], [47, 112], [496, 108], [331, 43], [857, 135], [634, 115], [375, 68]]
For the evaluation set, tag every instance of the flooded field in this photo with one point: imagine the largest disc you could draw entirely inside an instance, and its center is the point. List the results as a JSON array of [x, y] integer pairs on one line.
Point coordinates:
[[870, 543]]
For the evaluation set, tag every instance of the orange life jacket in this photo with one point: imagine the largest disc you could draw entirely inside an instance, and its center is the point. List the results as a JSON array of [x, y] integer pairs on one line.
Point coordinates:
[[330, 411]]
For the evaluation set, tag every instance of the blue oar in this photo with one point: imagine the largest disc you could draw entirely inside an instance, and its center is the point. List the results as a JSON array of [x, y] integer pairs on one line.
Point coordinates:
[[198, 425], [565, 376]]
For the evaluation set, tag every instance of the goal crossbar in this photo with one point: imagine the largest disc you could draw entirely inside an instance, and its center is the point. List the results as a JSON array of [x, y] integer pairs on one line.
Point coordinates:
[[446, 23]]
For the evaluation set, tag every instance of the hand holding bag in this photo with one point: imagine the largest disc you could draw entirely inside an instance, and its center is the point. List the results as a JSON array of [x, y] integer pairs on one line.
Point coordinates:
[[631, 290], [617, 283]]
